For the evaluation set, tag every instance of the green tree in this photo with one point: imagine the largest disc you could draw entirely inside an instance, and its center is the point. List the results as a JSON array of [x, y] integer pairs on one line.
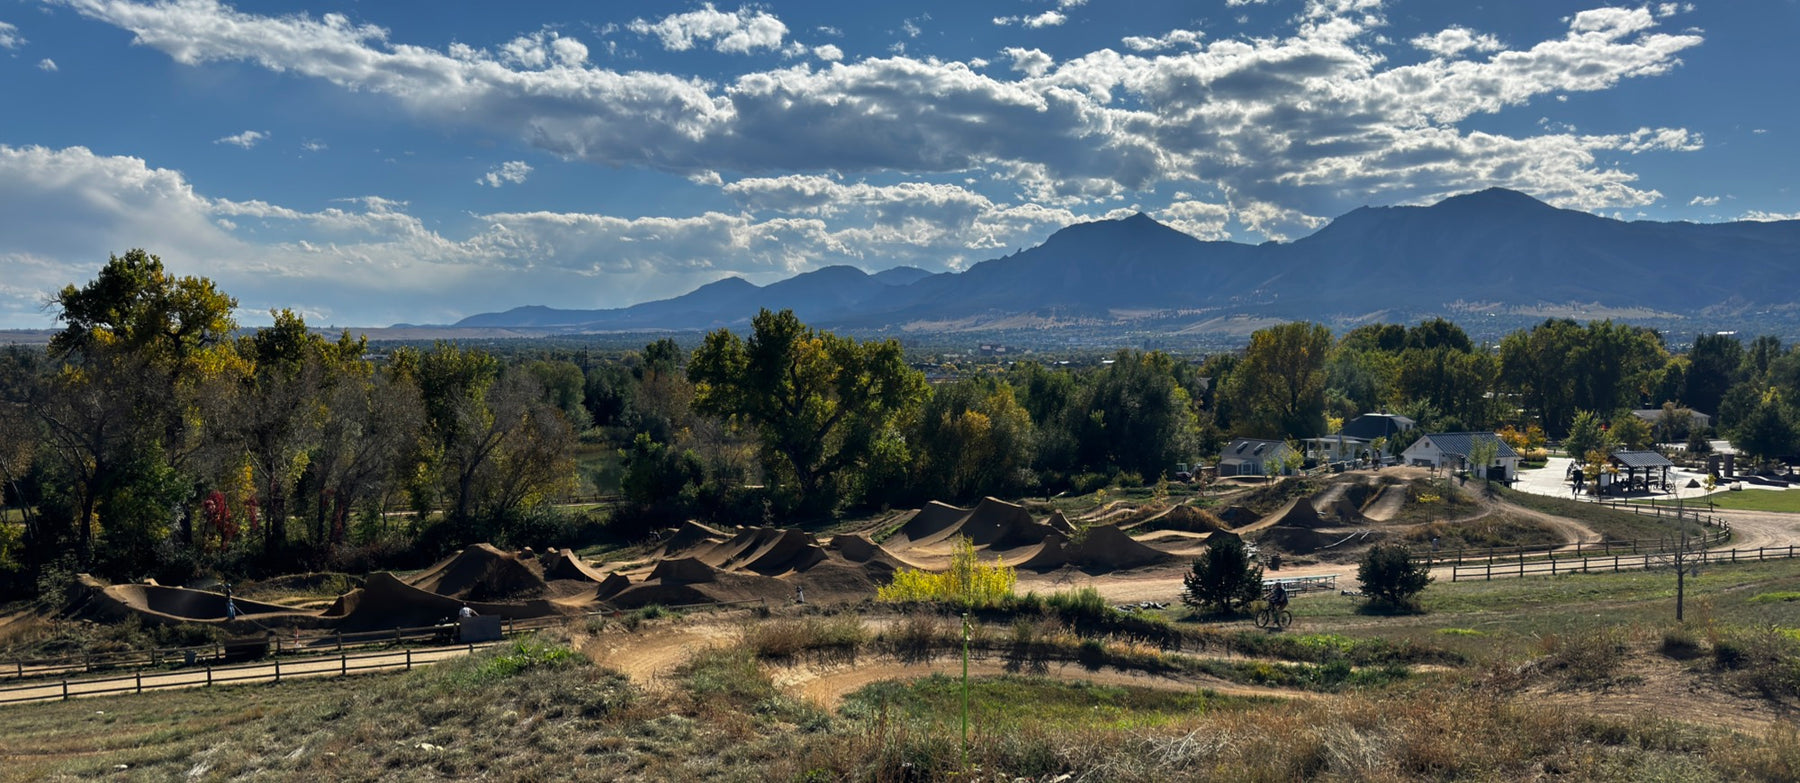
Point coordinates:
[[120, 406], [819, 402], [1715, 364], [1585, 435], [1389, 574], [1223, 578], [1630, 431], [973, 439], [1768, 431], [1278, 389]]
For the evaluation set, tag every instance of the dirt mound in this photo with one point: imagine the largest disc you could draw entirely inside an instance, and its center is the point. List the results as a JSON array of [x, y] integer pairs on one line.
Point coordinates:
[[612, 585], [854, 547], [769, 551], [1295, 540], [724, 587], [935, 522], [1345, 512], [1191, 520], [1000, 525], [1237, 516], [482, 572], [683, 570], [386, 601], [155, 604], [1303, 515], [1060, 523], [568, 565], [690, 537], [1107, 548]]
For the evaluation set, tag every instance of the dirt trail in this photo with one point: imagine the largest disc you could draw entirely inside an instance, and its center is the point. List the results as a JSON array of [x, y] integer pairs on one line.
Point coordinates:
[[827, 687], [1387, 504]]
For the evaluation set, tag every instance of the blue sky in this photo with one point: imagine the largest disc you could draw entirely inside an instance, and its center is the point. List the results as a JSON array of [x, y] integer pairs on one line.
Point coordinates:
[[373, 163]]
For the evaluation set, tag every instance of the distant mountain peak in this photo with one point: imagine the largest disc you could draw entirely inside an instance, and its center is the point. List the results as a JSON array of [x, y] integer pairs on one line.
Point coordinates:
[[1492, 198]]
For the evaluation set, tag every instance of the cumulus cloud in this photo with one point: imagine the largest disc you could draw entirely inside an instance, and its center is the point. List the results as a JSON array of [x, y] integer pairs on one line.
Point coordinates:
[[368, 261], [47, 64], [9, 37], [1169, 40], [829, 53], [512, 171], [1703, 201], [1768, 217], [1045, 19], [1455, 40], [741, 32], [1289, 125], [246, 139]]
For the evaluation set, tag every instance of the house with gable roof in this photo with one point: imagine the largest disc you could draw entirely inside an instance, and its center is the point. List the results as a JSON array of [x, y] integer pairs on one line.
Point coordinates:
[[1451, 450], [1250, 456]]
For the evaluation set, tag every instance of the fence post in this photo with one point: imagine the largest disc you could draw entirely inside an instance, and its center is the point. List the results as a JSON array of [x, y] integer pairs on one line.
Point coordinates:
[[140, 681], [343, 663], [1615, 564], [409, 659], [1490, 570], [209, 675], [278, 670], [65, 684]]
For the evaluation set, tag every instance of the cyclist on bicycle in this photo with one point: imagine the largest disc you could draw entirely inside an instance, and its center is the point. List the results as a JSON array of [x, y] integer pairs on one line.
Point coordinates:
[[1278, 597]]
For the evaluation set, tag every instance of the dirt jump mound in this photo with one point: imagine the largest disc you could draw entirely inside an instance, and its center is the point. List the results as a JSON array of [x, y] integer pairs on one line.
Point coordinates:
[[1107, 548], [386, 601], [155, 604], [483, 572]]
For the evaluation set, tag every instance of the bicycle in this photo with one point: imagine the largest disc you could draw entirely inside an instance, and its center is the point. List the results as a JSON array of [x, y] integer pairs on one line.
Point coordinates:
[[1268, 616]]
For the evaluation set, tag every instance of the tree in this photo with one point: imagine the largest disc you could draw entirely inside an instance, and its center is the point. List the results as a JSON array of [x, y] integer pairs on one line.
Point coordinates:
[[1585, 435], [1630, 431], [1768, 431], [973, 439], [819, 402], [1482, 455], [1278, 390], [1389, 574], [1139, 419], [1223, 577], [134, 342]]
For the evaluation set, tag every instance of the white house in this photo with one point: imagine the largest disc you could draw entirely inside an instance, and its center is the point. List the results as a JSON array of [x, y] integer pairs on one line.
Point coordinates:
[[1249, 456], [1451, 450]]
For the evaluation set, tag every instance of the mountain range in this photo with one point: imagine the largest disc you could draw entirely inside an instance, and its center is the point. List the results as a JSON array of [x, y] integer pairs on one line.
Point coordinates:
[[1494, 251]]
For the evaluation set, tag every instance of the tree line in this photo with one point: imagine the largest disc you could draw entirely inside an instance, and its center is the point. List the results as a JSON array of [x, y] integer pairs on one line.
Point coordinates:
[[153, 438]]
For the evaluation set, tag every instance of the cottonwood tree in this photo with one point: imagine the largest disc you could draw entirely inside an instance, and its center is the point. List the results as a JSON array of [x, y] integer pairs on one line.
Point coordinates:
[[818, 402], [135, 343], [1278, 389], [1390, 575]]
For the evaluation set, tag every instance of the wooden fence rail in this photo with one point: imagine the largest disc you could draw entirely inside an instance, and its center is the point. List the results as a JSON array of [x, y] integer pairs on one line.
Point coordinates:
[[1619, 562], [342, 664]]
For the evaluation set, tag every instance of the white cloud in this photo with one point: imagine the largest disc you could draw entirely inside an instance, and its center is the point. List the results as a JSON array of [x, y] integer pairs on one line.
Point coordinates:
[[9, 37], [829, 53], [1169, 40], [1045, 19], [513, 171], [47, 64], [1455, 40], [1294, 122], [1767, 217], [367, 261], [313, 145], [741, 32], [1201, 219], [246, 139], [1703, 201], [1032, 62]]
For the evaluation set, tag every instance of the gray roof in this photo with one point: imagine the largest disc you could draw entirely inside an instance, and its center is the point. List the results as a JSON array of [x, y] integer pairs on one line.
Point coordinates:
[[1370, 426], [1249, 448], [1463, 442], [1641, 459]]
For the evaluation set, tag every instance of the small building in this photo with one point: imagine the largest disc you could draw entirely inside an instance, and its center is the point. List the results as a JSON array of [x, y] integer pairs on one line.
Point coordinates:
[[1450, 450], [1370, 426], [1643, 470], [1250, 456]]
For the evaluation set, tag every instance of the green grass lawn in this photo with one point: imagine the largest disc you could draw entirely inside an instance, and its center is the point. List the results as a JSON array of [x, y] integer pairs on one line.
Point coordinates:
[[1785, 501]]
